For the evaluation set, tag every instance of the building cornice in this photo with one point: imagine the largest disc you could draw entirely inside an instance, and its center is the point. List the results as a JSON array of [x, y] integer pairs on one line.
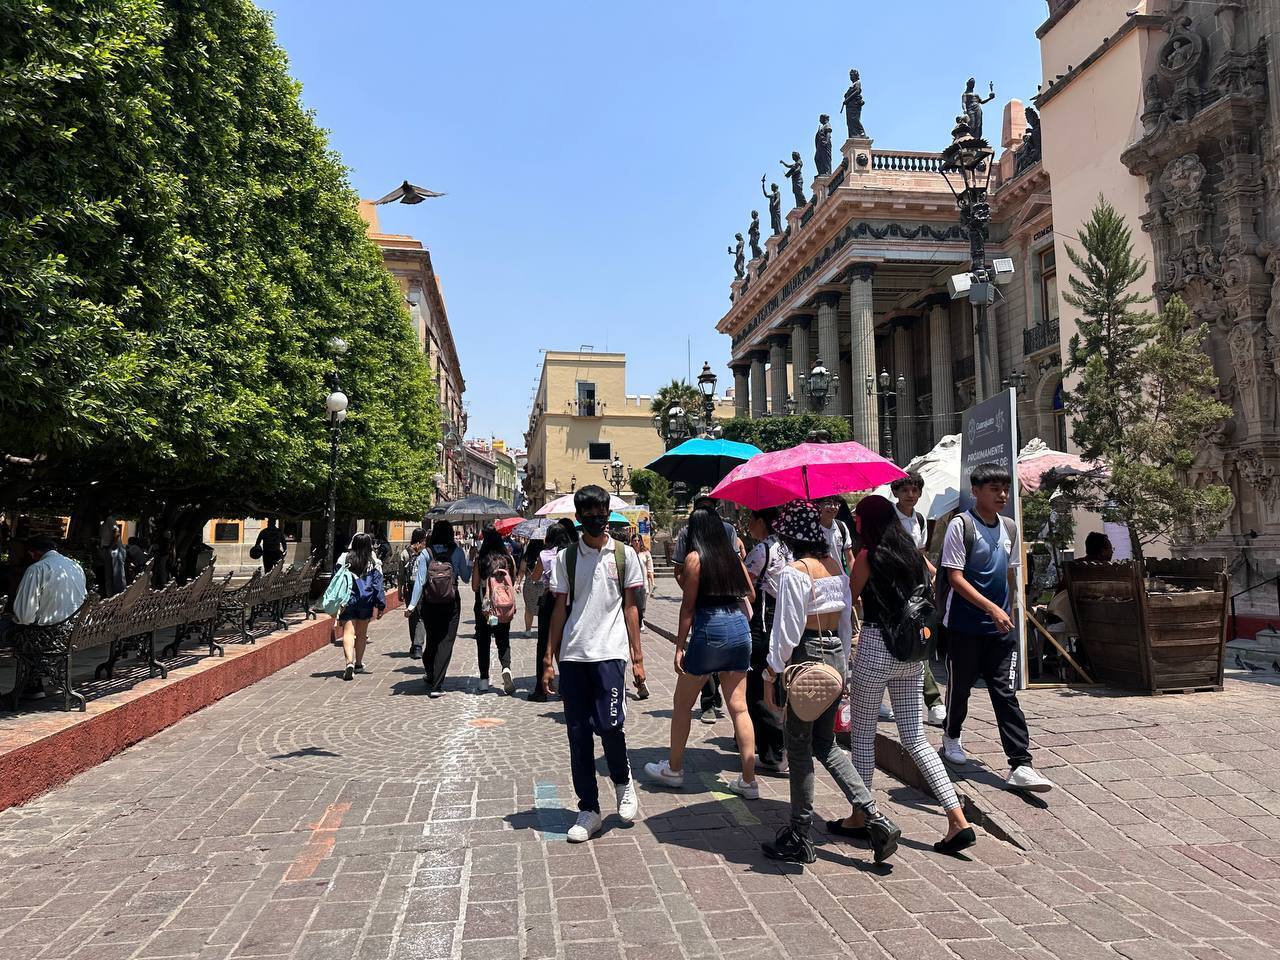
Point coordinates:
[[1056, 86]]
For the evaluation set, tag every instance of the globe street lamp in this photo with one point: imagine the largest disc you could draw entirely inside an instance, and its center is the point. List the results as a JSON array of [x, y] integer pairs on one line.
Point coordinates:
[[336, 406], [885, 395], [707, 387], [615, 475]]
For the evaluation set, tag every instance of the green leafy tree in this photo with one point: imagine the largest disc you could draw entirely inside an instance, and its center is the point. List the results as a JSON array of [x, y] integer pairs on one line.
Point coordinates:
[[1144, 398], [782, 433], [653, 489]]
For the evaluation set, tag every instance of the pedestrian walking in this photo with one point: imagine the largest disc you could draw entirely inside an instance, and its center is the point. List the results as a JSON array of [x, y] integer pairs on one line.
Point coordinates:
[[531, 587], [765, 564], [271, 546], [493, 582], [556, 539], [886, 571], [438, 602], [906, 491], [408, 561], [813, 622], [594, 632], [646, 567], [976, 594], [714, 637], [368, 601]]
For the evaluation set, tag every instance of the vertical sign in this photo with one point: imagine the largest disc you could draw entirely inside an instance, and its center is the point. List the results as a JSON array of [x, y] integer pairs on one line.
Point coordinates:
[[989, 434]]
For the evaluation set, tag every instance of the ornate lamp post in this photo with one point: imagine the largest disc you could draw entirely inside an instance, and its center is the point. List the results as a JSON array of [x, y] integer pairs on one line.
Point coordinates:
[[674, 428], [573, 483], [707, 387], [817, 387], [1017, 379], [885, 395], [616, 475], [336, 406], [966, 166]]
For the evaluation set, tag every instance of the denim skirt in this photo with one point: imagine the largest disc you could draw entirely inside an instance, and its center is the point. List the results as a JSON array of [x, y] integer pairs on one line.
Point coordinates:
[[720, 642]]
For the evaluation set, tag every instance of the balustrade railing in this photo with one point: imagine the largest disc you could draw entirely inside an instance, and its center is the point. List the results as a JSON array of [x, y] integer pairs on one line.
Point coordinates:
[[1040, 337], [907, 161]]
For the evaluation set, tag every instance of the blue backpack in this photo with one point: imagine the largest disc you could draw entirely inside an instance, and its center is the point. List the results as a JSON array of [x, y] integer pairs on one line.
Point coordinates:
[[340, 592]]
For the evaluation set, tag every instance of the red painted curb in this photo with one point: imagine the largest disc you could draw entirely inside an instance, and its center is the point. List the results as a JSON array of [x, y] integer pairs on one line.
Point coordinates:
[[37, 767]]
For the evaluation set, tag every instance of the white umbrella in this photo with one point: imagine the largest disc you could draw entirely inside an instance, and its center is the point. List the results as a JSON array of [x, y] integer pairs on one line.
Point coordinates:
[[563, 506], [940, 471]]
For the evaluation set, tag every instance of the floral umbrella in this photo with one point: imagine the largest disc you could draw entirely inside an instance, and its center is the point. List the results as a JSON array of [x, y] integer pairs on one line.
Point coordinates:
[[807, 471]]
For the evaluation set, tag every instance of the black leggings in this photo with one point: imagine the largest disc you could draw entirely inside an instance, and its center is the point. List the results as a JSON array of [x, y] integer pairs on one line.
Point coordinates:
[[440, 624]]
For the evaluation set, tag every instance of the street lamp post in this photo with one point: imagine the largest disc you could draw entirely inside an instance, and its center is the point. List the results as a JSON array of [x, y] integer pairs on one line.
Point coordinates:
[[707, 387], [674, 428], [616, 475], [885, 395], [966, 166], [817, 388], [336, 405]]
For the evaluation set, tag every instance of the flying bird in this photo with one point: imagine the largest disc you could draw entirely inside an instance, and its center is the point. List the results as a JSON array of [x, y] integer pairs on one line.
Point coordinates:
[[408, 193]]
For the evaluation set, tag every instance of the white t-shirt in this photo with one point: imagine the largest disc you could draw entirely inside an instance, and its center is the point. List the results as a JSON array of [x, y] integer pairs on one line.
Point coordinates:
[[837, 540], [595, 629], [915, 526]]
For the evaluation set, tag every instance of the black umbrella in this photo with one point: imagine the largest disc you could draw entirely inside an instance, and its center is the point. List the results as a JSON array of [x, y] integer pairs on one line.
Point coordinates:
[[474, 508]]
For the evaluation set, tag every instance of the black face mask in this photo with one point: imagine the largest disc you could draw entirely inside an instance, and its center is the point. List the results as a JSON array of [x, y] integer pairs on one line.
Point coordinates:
[[594, 526]]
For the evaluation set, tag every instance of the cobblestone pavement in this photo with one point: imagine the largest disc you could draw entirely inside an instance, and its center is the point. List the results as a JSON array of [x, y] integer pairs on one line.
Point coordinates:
[[310, 818]]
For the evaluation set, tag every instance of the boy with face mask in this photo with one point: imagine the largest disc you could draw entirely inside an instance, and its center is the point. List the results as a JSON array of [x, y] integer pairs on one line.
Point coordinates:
[[595, 629]]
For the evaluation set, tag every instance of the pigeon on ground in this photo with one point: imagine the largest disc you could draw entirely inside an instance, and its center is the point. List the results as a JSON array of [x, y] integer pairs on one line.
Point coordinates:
[[1246, 665]]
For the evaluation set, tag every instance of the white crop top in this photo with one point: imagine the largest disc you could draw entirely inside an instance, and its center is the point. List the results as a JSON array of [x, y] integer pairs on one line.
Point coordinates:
[[799, 597]]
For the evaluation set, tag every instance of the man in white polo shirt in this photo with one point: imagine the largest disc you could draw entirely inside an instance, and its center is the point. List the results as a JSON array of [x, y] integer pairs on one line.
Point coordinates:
[[595, 630]]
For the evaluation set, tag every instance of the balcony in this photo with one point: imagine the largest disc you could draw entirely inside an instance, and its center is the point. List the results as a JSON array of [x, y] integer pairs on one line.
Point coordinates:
[[1043, 336], [907, 161], [585, 408]]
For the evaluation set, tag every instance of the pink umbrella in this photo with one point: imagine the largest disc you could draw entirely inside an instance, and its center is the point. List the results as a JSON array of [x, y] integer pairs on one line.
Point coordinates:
[[805, 472], [1036, 459]]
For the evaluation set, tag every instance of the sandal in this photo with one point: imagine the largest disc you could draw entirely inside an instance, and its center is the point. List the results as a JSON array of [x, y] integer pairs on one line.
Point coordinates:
[[963, 840]]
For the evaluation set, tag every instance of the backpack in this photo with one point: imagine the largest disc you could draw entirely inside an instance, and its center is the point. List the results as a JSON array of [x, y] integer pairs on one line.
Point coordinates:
[[571, 567], [914, 635], [942, 582], [500, 594], [441, 584], [844, 543], [367, 587], [340, 591]]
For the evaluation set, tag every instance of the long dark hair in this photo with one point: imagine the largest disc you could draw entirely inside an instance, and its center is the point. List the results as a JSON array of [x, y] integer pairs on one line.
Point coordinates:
[[493, 552], [721, 571], [531, 551], [556, 538], [442, 535], [896, 564], [360, 554], [570, 530]]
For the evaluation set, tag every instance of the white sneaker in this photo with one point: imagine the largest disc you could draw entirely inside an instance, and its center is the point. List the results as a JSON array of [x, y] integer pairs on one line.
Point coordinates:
[[586, 827], [628, 805], [886, 713], [936, 715], [508, 682], [1027, 777], [663, 773], [749, 791], [483, 685], [952, 752]]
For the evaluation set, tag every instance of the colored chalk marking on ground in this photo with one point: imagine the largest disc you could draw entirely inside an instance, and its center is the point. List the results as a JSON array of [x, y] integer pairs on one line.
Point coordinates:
[[553, 819], [486, 722], [736, 806], [323, 836]]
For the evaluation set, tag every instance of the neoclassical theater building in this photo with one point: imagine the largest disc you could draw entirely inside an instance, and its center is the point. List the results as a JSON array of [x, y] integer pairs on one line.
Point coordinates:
[[1170, 109]]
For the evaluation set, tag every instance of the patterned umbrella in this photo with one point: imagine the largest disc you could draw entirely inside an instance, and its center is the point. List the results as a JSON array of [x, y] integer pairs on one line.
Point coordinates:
[[806, 471]]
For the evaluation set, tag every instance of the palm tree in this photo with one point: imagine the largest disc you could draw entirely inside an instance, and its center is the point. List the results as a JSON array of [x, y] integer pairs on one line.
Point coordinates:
[[678, 393]]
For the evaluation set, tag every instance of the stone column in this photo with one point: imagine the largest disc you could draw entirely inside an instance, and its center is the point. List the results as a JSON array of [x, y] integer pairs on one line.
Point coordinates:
[[778, 373], [741, 388], [758, 406], [829, 343], [800, 365], [942, 377], [904, 365], [862, 340]]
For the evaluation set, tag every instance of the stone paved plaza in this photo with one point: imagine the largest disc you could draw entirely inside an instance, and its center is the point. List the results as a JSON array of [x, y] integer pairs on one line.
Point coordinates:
[[305, 817]]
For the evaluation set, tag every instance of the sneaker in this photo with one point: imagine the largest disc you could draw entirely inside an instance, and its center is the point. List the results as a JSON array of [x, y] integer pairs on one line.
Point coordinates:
[[1027, 777], [415, 653], [350, 672], [508, 681], [628, 805], [585, 827], [790, 846], [720, 714], [884, 835], [708, 715], [952, 752], [435, 694], [936, 715], [886, 713], [663, 773], [483, 685], [748, 791], [360, 668]]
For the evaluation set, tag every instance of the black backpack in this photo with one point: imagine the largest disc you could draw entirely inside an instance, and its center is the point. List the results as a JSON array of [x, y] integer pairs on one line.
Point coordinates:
[[913, 636]]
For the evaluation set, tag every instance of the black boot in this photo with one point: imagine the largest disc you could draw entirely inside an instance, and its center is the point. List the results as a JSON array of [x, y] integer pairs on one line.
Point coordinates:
[[790, 845], [884, 837]]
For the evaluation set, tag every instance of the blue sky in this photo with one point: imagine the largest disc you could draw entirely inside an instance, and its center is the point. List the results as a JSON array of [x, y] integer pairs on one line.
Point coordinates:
[[600, 157]]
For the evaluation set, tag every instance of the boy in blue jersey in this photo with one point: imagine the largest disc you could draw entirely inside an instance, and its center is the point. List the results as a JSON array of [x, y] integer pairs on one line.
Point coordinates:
[[980, 557]]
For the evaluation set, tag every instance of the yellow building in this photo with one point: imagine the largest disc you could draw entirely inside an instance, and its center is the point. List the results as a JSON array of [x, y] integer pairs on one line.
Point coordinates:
[[582, 418]]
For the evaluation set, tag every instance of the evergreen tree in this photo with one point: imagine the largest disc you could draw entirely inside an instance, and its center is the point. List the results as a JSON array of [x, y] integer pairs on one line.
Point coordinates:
[[1144, 397]]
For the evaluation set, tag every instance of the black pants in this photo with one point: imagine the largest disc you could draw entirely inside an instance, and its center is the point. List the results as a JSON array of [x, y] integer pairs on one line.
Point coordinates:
[[711, 697], [546, 607], [440, 624], [595, 704], [771, 741], [415, 617], [485, 635], [994, 659]]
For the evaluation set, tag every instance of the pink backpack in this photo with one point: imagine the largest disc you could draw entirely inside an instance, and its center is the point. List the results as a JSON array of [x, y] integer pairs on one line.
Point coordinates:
[[500, 595]]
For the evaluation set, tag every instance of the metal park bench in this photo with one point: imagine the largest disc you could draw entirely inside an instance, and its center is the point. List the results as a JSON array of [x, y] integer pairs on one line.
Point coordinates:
[[200, 615]]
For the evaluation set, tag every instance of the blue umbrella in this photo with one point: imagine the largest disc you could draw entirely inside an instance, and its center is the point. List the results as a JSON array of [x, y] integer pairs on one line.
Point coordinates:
[[614, 518], [701, 462]]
